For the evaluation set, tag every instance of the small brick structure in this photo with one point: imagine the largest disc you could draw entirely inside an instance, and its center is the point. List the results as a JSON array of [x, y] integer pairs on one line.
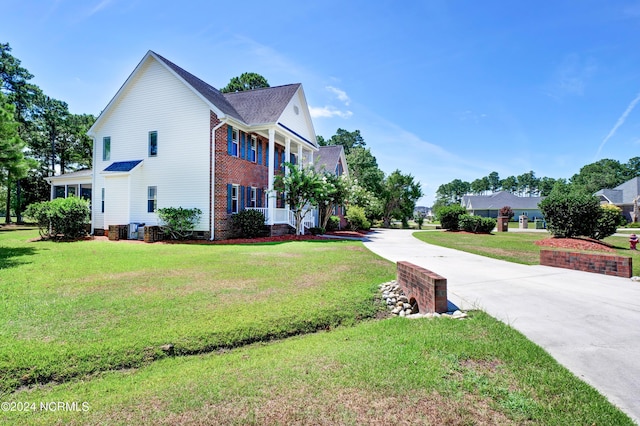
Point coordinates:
[[427, 288], [118, 232], [152, 234], [619, 266]]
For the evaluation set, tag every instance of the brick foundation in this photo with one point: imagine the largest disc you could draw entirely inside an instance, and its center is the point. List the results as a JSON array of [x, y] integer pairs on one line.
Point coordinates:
[[618, 266], [427, 288]]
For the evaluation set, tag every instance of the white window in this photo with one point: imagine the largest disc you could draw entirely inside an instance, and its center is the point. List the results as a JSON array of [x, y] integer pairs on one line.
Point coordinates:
[[251, 202], [106, 148], [153, 144], [235, 142], [253, 149], [235, 190], [152, 199]]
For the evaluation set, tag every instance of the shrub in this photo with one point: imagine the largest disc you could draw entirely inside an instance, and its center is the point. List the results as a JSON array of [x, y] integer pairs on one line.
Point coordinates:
[[476, 223], [609, 219], [357, 219], [316, 230], [449, 216], [62, 218], [179, 222], [506, 211], [248, 224], [333, 224], [419, 219], [570, 214]]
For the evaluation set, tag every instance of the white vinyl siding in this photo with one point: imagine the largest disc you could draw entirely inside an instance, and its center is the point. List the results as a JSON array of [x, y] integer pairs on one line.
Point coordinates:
[[155, 99], [301, 122]]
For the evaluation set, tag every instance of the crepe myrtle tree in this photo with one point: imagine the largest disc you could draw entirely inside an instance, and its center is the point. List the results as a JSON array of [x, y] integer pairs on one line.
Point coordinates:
[[333, 194], [303, 188]]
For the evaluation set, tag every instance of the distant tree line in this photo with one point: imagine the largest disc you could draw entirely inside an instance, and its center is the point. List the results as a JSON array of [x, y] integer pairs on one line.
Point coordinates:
[[605, 173], [39, 137]]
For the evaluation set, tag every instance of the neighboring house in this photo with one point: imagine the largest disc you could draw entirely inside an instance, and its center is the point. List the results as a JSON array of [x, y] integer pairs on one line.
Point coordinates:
[[425, 211], [332, 159], [168, 139], [622, 196], [490, 205], [77, 184]]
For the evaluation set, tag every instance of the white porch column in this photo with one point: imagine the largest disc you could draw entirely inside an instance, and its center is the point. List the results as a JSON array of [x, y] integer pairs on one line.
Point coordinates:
[[287, 154], [300, 159], [271, 193]]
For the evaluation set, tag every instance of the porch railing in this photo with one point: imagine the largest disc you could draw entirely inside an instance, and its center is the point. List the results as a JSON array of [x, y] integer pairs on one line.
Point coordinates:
[[286, 216]]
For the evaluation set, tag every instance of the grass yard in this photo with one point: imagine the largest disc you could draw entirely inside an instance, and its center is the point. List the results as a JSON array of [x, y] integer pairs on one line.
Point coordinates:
[[515, 247], [71, 309], [398, 371], [83, 323]]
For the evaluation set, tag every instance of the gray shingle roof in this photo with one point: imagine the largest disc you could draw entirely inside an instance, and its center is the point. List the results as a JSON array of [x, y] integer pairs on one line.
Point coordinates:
[[500, 199], [623, 193], [327, 157], [122, 166], [259, 106]]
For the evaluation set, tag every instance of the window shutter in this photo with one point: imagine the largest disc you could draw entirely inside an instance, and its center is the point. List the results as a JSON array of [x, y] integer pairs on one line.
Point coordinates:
[[249, 196], [266, 161], [258, 197], [229, 141], [242, 199], [229, 198], [259, 149], [242, 144], [293, 158]]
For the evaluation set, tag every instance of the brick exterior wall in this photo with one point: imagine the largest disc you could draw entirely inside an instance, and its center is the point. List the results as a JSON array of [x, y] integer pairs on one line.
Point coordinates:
[[234, 170], [427, 288], [618, 266]]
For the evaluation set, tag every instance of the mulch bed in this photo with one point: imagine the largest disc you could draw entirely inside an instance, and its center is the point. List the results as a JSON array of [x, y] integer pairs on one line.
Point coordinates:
[[355, 234], [278, 239], [583, 244]]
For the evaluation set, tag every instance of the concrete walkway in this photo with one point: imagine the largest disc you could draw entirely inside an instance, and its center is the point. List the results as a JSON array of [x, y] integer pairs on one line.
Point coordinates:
[[590, 323]]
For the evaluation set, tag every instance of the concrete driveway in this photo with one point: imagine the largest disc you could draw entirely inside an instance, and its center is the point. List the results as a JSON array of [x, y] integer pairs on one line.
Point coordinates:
[[590, 323]]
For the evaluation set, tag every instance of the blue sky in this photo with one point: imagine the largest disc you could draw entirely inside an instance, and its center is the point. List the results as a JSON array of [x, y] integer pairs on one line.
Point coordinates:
[[439, 89]]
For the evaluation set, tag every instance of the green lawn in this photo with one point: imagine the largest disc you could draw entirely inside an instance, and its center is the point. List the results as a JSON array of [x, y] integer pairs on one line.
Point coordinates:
[[398, 371], [84, 323], [515, 247], [70, 309]]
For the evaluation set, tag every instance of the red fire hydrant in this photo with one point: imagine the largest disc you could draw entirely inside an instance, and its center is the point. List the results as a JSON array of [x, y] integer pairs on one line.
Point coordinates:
[[633, 241]]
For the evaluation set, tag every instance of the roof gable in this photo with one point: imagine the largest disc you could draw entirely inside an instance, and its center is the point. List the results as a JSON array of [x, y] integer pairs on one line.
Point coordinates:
[[327, 157], [624, 193], [262, 106]]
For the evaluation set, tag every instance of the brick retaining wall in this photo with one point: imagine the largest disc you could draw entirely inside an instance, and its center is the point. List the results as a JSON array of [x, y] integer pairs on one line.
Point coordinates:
[[427, 288], [618, 266]]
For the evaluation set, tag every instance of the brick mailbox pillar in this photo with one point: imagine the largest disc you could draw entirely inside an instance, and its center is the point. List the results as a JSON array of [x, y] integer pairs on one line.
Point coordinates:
[[503, 223]]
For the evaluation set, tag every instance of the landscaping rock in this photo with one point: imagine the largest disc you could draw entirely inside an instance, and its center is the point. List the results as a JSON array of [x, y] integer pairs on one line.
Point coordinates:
[[398, 304]]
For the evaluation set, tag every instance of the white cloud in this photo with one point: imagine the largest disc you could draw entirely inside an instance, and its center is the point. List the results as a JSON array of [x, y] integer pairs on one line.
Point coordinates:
[[572, 75], [328, 112], [619, 123], [340, 94], [97, 8]]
